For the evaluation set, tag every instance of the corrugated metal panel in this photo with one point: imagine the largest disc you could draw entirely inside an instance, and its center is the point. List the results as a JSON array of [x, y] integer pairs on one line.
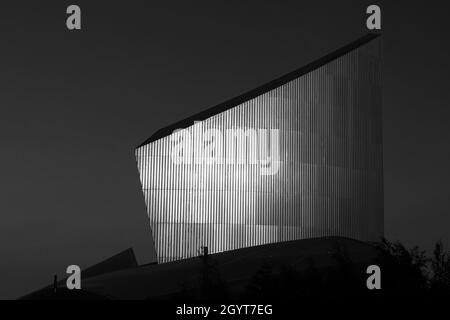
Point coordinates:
[[329, 182]]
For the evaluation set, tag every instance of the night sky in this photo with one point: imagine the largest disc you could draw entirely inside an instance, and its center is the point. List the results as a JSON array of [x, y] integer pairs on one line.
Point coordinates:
[[74, 104]]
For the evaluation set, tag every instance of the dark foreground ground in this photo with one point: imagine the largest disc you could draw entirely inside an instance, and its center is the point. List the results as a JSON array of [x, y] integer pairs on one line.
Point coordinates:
[[307, 272]]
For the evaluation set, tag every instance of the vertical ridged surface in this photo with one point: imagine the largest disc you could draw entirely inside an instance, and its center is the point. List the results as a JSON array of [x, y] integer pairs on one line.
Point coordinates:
[[330, 178]]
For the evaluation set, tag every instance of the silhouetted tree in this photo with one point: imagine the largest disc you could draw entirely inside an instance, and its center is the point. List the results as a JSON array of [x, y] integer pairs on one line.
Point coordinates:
[[440, 267], [404, 271]]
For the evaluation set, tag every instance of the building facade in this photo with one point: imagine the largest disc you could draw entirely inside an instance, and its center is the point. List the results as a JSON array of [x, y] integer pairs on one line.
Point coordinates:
[[299, 157]]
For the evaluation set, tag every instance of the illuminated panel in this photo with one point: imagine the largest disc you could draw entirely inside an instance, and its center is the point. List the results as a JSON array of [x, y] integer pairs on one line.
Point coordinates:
[[328, 180]]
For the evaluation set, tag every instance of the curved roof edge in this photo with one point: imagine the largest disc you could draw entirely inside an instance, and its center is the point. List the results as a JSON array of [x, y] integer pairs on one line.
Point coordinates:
[[163, 132]]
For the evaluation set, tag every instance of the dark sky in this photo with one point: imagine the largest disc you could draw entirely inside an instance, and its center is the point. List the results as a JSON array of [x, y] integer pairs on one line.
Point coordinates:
[[75, 104]]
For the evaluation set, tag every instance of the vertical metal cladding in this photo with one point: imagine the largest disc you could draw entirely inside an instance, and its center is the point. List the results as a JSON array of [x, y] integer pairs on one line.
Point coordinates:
[[330, 176]]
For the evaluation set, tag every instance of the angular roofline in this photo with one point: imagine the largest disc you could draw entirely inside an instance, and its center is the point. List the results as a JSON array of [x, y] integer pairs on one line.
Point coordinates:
[[163, 132]]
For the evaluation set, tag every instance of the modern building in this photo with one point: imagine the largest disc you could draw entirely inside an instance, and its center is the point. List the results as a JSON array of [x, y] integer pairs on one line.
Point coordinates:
[[299, 157]]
